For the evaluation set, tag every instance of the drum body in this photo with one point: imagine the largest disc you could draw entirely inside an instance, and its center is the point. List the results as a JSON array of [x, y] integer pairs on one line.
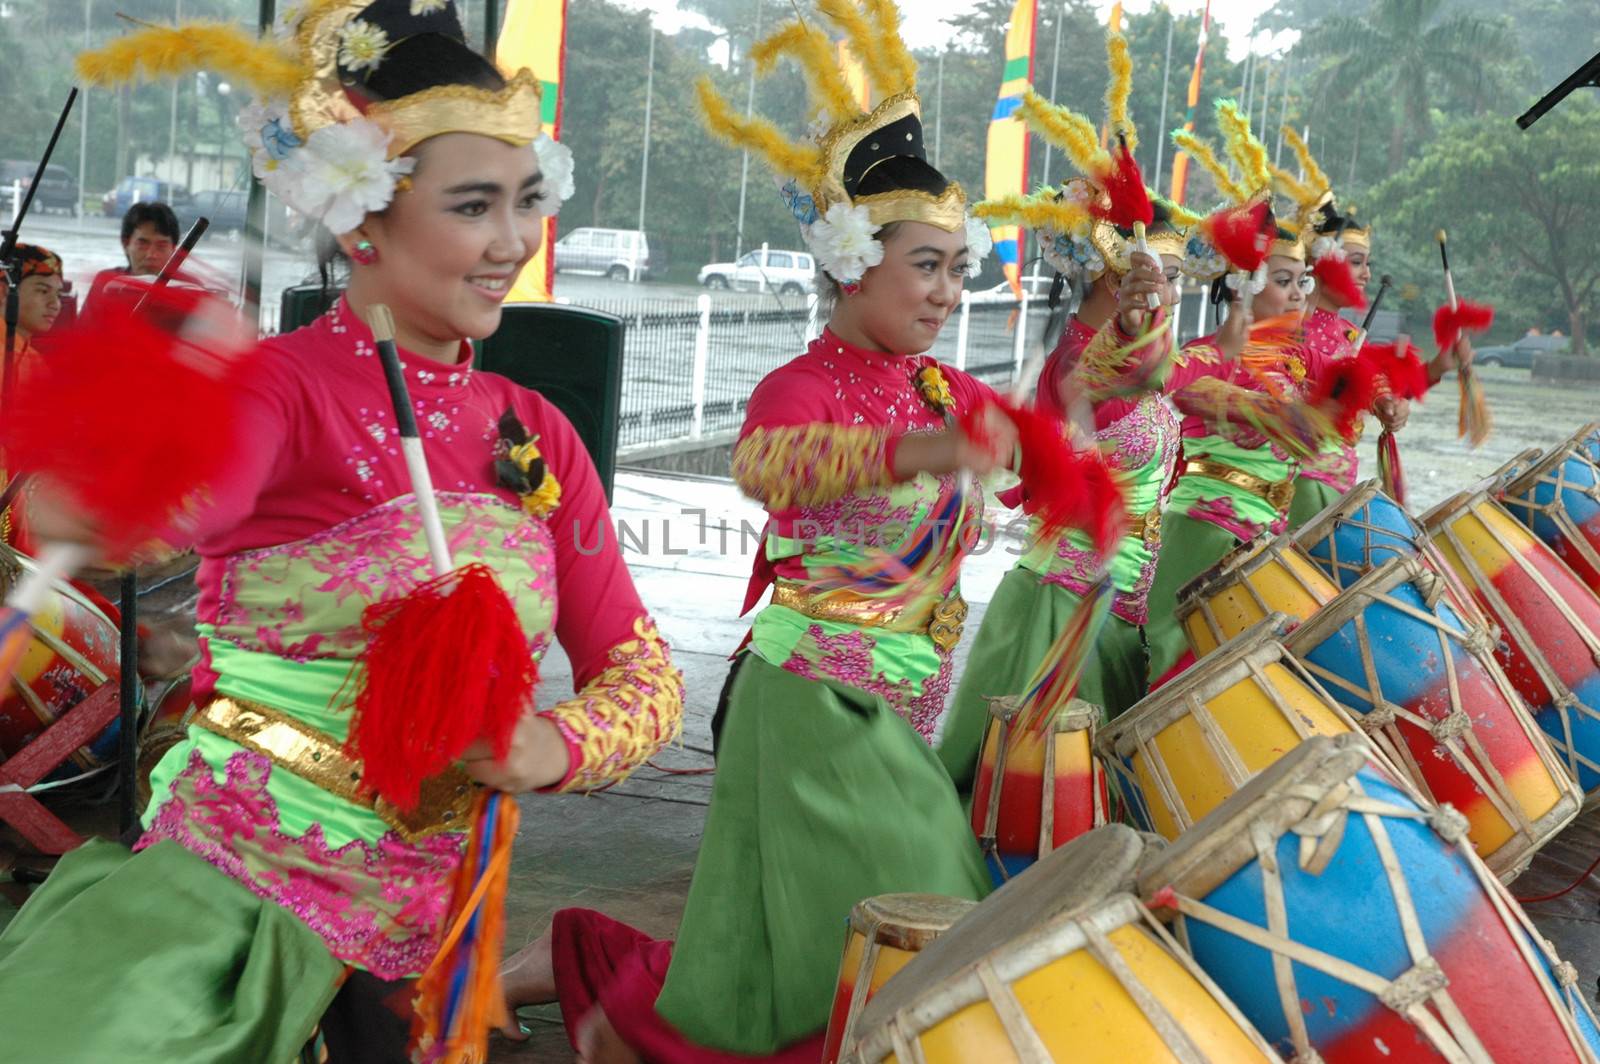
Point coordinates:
[[165, 727], [1353, 925], [1059, 964], [1187, 747], [1549, 622], [1558, 499], [1261, 577], [1034, 794], [73, 650], [885, 933], [1426, 688]]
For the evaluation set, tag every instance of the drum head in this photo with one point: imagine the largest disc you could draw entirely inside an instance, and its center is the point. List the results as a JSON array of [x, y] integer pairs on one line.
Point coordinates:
[[1525, 482], [907, 921], [1278, 797], [1097, 869], [1321, 526]]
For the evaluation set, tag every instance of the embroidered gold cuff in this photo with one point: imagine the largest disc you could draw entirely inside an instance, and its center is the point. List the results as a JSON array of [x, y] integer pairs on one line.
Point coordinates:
[[298, 748]]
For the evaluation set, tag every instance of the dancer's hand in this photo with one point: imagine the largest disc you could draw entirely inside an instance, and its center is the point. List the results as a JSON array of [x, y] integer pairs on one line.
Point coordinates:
[[54, 516], [537, 758], [951, 450], [1133, 293], [1235, 331], [1391, 411], [1457, 356]]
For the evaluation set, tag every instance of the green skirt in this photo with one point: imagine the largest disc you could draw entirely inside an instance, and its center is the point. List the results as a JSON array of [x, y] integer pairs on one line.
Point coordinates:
[[157, 957], [823, 796], [1022, 621], [1311, 497], [1188, 548]]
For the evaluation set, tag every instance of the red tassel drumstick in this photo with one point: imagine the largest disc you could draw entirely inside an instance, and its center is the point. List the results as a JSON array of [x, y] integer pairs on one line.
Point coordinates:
[[1128, 205], [1334, 277], [1474, 422]]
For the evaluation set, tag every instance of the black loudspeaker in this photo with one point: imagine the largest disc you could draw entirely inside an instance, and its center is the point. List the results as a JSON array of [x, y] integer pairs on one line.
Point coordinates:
[[570, 355], [304, 304], [573, 357]]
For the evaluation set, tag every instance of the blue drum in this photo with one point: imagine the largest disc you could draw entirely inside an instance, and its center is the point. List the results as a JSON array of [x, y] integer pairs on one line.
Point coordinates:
[[1558, 498], [1359, 533]]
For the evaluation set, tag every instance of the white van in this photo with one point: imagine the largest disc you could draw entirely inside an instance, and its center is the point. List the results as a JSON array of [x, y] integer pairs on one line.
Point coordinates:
[[787, 272], [620, 254]]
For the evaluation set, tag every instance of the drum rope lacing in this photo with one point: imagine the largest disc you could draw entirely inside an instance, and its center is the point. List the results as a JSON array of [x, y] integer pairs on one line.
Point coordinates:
[[1321, 831], [1556, 509]]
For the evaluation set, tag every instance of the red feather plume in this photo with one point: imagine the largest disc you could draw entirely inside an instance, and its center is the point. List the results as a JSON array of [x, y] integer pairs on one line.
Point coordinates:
[[133, 415], [1345, 391], [1334, 277], [1401, 366], [1124, 187], [1450, 322], [1242, 235], [1062, 487]]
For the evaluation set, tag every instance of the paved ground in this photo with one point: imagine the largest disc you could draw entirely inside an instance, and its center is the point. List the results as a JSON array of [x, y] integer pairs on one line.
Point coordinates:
[[630, 851]]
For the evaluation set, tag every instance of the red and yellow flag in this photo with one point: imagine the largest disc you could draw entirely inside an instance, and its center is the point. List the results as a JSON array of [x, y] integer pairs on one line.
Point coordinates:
[[534, 35], [1006, 171], [1180, 162]]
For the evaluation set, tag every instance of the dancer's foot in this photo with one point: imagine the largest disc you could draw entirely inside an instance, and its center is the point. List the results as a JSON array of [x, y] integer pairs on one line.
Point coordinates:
[[528, 977], [599, 1042]]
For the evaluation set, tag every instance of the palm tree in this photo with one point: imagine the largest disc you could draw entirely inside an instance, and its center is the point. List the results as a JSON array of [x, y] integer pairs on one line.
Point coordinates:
[[1405, 49]]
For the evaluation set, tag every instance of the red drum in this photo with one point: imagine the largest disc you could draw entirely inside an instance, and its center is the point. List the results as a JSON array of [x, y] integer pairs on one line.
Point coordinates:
[[73, 651]]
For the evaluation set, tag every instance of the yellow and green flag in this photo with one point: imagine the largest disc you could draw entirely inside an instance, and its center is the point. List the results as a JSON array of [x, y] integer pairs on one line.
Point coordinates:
[[534, 35], [1006, 171]]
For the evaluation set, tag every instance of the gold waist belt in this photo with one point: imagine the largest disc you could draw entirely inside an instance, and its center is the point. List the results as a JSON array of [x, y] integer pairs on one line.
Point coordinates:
[[941, 621], [1278, 493], [1148, 526], [320, 760]]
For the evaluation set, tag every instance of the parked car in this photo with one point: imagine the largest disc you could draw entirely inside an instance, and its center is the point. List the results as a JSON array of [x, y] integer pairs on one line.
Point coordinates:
[[131, 190], [788, 272], [227, 211], [620, 254], [1520, 354], [58, 191]]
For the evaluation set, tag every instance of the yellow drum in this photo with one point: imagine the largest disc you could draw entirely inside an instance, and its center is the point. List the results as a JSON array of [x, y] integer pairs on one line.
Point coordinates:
[[1186, 748], [1034, 794], [1264, 576], [1059, 964], [885, 933]]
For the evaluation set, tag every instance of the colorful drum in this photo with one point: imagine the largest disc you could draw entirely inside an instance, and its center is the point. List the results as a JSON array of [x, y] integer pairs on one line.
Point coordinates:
[[1558, 498], [1059, 964], [1182, 751], [1367, 528], [1261, 577], [1549, 619], [1034, 794], [1426, 688], [74, 650], [885, 933], [165, 727], [1352, 924]]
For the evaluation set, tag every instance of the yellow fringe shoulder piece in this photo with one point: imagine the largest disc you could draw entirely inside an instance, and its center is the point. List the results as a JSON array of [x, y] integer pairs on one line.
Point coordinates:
[[1202, 153], [813, 51], [1120, 87], [1315, 178], [1039, 211], [1246, 151], [1071, 132], [172, 51], [788, 157], [881, 58]]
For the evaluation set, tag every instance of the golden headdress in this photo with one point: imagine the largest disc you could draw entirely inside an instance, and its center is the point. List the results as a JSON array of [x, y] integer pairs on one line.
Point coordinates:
[[872, 163], [1075, 242], [346, 85], [1319, 216]]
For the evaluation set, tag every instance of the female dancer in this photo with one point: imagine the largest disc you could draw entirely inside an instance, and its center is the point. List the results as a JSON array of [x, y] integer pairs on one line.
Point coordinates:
[[826, 790], [268, 893], [1109, 342]]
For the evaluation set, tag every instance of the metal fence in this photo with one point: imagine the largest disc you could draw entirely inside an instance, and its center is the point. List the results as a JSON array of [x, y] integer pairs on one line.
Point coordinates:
[[690, 367]]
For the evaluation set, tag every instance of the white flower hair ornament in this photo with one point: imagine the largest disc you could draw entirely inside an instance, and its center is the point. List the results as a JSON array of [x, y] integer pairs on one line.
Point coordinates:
[[555, 163], [844, 243], [979, 243], [1254, 284], [339, 175], [1324, 247]]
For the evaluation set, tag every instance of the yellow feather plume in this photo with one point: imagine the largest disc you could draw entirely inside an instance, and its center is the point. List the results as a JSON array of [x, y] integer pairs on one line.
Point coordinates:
[[1248, 153], [1315, 178], [863, 40], [1120, 87], [1289, 185], [1071, 132], [1181, 217], [172, 51], [801, 161], [893, 47], [1039, 211], [1202, 154], [813, 51]]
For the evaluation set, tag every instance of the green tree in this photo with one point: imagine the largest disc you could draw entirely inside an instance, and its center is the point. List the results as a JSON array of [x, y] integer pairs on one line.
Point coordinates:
[[1409, 49], [1520, 210]]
